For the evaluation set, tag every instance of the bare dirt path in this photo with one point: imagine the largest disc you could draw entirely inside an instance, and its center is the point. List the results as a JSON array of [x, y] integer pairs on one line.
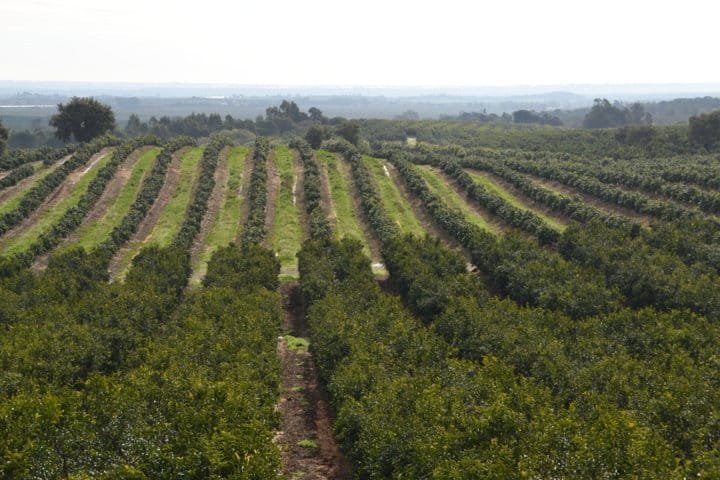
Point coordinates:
[[273, 188], [65, 189], [24, 184], [309, 450], [166, 192], [214, 204]]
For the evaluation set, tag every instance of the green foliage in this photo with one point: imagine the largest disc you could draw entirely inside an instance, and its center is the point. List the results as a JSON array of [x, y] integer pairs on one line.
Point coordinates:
[[37, 195], [245, 268], [83, 118], [603, 114], [318, 223], [705, 129], [254, 229]]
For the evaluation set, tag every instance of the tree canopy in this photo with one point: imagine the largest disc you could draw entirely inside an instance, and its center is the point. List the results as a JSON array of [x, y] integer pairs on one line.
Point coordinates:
[[83, 118], [3, 138], [705, 129]]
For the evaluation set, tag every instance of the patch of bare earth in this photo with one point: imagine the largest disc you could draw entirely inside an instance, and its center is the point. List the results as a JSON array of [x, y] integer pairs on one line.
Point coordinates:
[[25, 183], [166, 193], [112, 190], [309, 450], [60, 193], [524, 200], [589, 199], [373, 242], [273, 187], [214, 204], [245, 207]]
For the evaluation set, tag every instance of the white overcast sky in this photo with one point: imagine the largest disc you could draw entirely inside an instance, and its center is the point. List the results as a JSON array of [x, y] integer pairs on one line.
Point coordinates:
[[368, 42]]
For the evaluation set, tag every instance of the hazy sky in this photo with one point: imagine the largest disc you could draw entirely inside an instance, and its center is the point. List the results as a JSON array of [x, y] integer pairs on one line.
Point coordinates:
[[369, 42]]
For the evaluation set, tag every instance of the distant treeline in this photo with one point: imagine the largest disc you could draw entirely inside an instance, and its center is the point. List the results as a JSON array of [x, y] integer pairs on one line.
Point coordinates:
[[603, 114]]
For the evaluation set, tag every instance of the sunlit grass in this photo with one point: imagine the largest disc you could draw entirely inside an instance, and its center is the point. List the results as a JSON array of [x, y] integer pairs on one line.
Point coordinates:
[[496, 189], [438, 186], [15, 243], [286, 235], [13, 200]]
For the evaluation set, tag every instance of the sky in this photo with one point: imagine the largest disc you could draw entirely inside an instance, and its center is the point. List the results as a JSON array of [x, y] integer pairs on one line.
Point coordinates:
[[371, 42]]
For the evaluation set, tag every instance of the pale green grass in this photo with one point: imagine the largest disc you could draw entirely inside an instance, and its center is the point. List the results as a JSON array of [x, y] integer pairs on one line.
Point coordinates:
[[173, 215], [226, 226], [397, 206], [343, 217], [13, 200], [92, 234], [15, 243], [496, 189], [286, 235], [438, 186]]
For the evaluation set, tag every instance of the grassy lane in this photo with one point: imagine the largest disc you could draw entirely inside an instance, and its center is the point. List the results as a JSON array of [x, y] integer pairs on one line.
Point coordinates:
[[20, 239], [496, 189], [91, 234], [343, 217], [11, 196], [438, 186], [286, 233], [398, 206], [172, 216], [225, 228]]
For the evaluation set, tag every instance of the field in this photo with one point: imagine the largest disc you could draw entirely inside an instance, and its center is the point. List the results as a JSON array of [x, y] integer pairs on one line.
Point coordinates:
[[446, 306]]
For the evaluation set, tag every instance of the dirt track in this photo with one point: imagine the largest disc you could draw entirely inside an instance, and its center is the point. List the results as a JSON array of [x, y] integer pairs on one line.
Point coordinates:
[[309, 450]]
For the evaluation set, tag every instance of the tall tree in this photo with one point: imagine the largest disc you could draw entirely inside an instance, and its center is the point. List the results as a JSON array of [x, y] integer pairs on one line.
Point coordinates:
[[83, 118], [3, 138], [705, 129]]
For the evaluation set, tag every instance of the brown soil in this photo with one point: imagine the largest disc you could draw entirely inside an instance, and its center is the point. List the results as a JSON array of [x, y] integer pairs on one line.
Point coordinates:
[[373, 241], [65, 188], [112, 190], [304, 407], [214, 204], [589, 199], [300, 196], [526, 202], [166, 192], [245, 207], [273, 187]]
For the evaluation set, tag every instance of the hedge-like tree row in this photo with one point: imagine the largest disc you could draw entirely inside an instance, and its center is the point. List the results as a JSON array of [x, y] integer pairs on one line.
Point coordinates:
[[131, 380], [633, 200], [491, 390], [74, 216], [15, 175], [48, 155], [573, 208], [254, 229], [37, 195], [370, 200], [318, 223], [143, 203], [580, 361], [203, 189], [627, 176], [517, 267], [522, 219]]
